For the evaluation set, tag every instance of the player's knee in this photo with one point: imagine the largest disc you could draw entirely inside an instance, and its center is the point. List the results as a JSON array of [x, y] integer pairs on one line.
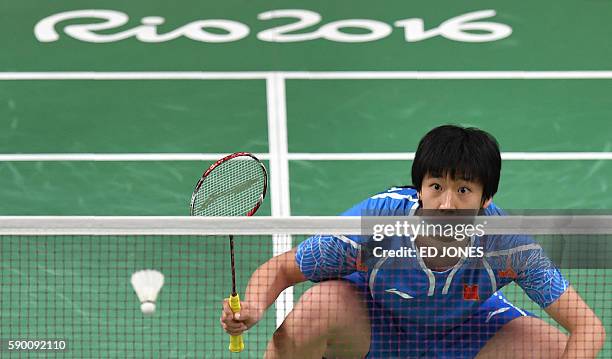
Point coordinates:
[[334, 306], [527, 337], [329, 305], [328, 315], [329, 297], [285, 340], [534, 332], [304, 329]]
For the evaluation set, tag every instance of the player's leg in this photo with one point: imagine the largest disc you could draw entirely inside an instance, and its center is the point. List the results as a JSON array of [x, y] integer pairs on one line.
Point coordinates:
[[499, 329], [525, 337], [331, 320]]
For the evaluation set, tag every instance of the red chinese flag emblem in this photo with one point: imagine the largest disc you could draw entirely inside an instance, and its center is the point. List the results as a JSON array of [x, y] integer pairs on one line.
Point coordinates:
[[470, 292], [508, 273], [362, 267]]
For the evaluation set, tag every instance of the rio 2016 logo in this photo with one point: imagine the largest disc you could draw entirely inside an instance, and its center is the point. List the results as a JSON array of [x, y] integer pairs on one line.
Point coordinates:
[[462, 28]]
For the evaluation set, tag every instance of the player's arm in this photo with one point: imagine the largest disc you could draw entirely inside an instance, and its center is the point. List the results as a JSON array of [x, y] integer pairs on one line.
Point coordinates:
[[318, 258], [265, 285], [587, 334], [270, 279], [546, 286]]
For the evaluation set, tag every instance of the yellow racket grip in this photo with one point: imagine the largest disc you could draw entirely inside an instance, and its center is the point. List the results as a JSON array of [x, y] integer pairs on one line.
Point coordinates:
[[236, 343]]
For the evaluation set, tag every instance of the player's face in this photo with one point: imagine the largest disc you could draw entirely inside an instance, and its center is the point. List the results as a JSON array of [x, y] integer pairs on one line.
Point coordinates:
[[445, 193]]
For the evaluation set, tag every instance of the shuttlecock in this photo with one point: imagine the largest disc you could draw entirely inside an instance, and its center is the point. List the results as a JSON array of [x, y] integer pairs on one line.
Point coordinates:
[[147, 283]]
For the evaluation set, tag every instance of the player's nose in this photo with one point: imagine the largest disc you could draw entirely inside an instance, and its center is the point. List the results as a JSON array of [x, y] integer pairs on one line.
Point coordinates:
[[446, 201]]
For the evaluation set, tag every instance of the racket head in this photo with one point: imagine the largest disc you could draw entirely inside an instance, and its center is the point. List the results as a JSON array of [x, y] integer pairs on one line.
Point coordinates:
[[235, 185]]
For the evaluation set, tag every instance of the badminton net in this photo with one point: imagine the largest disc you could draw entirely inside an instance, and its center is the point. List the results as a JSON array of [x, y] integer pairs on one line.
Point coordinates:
[[68, 279]]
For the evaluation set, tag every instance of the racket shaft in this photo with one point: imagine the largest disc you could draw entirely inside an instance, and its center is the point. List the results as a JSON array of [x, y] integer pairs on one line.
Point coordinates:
[[236, 343], [233, 265]]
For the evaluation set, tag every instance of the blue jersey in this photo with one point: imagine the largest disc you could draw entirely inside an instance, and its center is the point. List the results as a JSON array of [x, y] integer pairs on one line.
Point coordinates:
[[414, 295]]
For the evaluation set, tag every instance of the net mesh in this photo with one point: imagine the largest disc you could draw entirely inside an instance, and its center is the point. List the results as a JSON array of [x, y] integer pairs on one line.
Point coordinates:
[[232, 189], [77, 288]]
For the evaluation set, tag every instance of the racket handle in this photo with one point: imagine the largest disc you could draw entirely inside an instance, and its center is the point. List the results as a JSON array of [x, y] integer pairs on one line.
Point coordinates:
[[236, 343]]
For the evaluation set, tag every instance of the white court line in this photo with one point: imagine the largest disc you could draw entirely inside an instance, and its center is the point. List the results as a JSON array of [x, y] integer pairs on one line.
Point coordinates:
[[314, 75], [134, 75], [116, 157], [279, 176], [447, 75], [555, 156], [366, 156], [402, 156]]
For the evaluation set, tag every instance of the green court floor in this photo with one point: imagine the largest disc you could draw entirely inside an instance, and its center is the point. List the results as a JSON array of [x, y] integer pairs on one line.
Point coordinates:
[[78, 287]]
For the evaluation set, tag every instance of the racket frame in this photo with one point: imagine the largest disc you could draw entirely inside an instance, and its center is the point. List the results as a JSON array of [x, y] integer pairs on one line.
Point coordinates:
[[217, 164]]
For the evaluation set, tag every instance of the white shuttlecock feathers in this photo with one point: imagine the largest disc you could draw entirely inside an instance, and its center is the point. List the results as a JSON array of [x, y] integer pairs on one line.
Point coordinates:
[[147, 283]]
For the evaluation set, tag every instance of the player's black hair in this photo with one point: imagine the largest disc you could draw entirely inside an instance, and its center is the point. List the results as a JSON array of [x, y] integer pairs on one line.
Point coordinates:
[[466, 152]]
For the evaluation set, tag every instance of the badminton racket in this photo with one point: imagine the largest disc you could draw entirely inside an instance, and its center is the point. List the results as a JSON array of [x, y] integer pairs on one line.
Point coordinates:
[[233, 186]]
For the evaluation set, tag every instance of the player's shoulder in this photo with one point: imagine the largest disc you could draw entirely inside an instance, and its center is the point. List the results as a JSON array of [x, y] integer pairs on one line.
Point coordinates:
[[493, 210], [404, 193], [395, 201], [506, 244]]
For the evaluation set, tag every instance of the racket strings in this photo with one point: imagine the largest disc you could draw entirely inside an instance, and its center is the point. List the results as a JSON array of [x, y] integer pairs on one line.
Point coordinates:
[[231, 189]]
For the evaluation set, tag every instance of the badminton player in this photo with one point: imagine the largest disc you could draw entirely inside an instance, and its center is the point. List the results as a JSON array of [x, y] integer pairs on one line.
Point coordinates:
[[430, 307]]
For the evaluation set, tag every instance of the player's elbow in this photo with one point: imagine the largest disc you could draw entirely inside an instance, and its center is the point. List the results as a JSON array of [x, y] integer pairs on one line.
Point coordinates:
[[599, 331], [595, 331], [599, 335]]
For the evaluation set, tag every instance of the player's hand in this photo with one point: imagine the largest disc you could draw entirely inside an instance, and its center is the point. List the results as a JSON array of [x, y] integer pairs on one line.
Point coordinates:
[[237, 323]]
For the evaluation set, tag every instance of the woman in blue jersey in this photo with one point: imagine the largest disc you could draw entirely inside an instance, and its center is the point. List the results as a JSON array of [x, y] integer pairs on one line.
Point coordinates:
[[423, 306]]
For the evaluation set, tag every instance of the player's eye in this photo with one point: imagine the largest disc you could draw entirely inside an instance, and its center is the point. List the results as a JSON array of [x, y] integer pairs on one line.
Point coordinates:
[[435, 186], [464, 190]]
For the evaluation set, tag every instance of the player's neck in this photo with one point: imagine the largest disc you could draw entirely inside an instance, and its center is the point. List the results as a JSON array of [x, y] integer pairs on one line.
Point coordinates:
[[440, 263]]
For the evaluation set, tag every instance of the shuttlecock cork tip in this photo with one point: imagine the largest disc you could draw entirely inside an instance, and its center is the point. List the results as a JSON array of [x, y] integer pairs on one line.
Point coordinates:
[[147, 307]]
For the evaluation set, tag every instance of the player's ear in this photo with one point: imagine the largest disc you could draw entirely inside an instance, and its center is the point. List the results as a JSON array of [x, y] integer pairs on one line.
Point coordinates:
[[487, 202]]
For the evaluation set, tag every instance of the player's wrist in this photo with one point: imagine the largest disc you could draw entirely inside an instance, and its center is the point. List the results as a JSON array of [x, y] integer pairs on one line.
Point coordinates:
[[258, 311], [255, 310]]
